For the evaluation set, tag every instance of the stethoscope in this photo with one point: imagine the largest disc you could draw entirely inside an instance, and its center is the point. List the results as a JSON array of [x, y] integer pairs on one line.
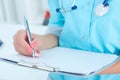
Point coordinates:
[[100, 10], [73, 7]]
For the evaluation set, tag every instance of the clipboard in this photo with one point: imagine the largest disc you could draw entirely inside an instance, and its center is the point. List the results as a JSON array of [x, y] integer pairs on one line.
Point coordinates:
[[66, 61], [1, 43]]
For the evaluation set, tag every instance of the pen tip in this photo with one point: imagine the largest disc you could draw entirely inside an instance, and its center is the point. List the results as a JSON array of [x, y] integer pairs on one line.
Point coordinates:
[[36, 55]]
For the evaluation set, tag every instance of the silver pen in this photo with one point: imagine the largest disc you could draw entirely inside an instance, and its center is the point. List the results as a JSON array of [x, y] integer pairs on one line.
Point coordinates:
[[29, 35]]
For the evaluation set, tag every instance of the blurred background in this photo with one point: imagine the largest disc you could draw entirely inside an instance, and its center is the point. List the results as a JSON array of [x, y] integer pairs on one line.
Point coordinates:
[[13, 11]]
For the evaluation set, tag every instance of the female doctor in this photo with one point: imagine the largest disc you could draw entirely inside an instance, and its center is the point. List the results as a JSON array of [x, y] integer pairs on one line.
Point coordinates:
[[92, 25]]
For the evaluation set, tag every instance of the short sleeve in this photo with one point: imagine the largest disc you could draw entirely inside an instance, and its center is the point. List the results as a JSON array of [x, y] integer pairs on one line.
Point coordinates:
[[54, 30], [56, 18]]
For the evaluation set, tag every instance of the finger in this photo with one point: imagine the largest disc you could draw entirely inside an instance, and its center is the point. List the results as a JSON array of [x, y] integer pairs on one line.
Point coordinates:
[[21, 50], [35, 47], [21, 46], [21, 39], [33, 44]]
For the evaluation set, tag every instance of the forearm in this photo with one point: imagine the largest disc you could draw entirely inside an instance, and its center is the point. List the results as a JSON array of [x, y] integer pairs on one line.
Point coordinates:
[[114, 69], [52, 35]]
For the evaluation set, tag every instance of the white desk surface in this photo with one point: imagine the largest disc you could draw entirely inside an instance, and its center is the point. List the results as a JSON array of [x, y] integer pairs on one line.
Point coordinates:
[[10, 71]]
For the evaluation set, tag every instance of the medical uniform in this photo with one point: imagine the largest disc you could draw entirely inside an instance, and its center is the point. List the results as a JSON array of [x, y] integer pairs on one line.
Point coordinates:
[[83, 29]]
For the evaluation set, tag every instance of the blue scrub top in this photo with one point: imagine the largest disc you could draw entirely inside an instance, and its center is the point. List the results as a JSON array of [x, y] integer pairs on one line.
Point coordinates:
[[82, 29]]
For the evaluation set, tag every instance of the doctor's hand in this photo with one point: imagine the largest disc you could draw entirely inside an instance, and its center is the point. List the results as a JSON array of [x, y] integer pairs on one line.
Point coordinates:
[[40, 42]]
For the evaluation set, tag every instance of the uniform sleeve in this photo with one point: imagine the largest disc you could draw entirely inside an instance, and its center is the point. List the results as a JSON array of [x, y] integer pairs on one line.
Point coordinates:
[[56, 18], [54, 30]]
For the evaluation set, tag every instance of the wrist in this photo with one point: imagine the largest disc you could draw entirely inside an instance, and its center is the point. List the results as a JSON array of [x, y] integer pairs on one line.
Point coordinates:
[[51, 40]]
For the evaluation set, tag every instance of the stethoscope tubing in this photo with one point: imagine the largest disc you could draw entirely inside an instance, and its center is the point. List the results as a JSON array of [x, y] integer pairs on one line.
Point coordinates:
[[74, 7]]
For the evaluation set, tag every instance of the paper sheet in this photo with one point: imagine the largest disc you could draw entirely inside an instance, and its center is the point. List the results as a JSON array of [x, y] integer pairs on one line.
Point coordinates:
[[69, 60]]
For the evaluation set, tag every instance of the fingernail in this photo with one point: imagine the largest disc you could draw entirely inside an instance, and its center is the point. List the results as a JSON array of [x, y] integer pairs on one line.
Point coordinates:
[[38, 51], [37, 55], [33, 45]]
